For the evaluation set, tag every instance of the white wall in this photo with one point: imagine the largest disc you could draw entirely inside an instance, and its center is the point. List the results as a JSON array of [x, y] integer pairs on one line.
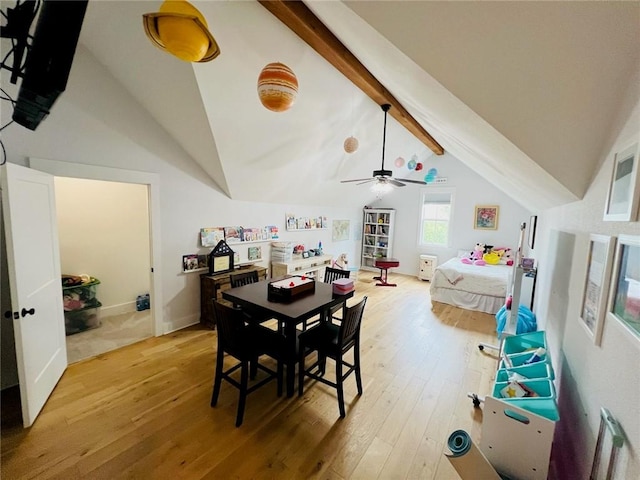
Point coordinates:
[[96, 122], [589, 376], [103, 230], [470, 190]]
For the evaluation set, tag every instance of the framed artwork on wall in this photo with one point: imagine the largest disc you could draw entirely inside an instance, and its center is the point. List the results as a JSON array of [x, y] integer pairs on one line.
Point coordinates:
[[340, 230], [596, 285], [622, 197], [486, 217], [624, 298], [533, 224]]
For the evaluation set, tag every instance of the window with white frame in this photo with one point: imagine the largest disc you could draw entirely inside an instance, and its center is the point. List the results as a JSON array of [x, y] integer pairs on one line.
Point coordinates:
[[435, 217]]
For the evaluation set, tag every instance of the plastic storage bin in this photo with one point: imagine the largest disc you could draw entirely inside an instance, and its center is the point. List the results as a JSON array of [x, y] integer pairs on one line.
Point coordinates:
[[524, 342], [77, 297], [544, 404], [533, 371], [76, 321]]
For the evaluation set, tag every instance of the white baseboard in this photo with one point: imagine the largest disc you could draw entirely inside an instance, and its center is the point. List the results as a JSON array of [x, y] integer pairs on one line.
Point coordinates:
[[111, 310]]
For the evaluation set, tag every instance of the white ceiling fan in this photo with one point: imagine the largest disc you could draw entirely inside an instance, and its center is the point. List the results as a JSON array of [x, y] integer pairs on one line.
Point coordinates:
[[383, 178]]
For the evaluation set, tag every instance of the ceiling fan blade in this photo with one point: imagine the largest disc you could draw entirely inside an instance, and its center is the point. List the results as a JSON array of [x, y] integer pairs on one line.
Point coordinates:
[[366, 181], [395, 182], [419, 182], [356, 180]]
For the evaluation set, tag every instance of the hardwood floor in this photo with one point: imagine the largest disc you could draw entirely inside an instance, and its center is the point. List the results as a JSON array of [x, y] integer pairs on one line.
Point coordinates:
[[143, 411]]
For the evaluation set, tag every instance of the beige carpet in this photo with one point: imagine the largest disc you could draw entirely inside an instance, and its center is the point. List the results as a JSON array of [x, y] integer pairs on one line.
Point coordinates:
[[114, 332]]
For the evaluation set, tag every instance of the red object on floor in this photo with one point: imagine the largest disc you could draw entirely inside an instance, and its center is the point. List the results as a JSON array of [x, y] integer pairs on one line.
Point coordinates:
[[384, 264]]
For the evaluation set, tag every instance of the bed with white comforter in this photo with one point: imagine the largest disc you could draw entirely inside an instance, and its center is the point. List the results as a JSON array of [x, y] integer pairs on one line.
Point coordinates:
[[481, 288]]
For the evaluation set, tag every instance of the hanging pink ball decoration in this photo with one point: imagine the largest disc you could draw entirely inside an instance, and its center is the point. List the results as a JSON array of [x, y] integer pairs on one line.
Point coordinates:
[[277, 87], [418, 167], [351, 144], [399, 162]]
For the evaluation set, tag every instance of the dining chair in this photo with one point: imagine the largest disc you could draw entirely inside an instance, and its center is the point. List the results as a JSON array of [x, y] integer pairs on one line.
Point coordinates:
[[246, 343], [245, 278], [330, 274], [333, 341]]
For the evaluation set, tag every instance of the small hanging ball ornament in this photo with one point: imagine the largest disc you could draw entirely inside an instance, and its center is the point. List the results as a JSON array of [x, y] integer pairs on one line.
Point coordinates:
[[428, 178], [399, 162], [433, 172], [418, 167], [351, 144], [277, 87], [411, 165]]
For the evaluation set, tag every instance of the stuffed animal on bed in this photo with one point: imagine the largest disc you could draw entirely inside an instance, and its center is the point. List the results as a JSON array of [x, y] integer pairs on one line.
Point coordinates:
[[506, 255], [492, 258], [478, 251], [476, 256]]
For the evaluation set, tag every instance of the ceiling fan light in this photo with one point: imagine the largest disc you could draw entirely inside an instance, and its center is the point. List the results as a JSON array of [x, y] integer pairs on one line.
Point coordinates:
[[381, 187]]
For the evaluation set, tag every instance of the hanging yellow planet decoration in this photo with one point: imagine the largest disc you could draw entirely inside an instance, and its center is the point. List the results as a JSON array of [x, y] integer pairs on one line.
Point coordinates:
[[351, 144], [180, 29], [277, 87]]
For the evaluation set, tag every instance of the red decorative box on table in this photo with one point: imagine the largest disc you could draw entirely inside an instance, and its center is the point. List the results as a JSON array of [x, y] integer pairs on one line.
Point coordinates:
[[290, 288]]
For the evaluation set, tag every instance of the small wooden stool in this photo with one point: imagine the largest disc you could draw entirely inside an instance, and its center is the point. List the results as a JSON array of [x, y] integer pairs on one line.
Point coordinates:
[[384, 264]]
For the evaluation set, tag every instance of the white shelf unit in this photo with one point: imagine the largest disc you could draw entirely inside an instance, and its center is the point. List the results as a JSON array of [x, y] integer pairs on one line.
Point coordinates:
[[428, 264], [377, 236], [310, 267]]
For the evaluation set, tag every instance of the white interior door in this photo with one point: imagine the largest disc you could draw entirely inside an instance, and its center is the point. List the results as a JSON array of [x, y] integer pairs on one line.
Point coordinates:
[[33, 256]]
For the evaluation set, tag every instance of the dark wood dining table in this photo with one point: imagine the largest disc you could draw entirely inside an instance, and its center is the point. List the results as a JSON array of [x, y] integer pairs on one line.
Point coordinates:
[[255, 297]]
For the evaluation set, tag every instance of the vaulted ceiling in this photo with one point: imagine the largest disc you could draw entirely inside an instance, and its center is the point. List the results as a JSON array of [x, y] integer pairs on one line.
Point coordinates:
[[524, 93]]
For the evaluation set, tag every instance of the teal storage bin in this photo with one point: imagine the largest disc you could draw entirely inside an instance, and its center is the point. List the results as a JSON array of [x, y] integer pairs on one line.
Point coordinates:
[[524, 342], [519, 359], [543, 405], [538, 370]]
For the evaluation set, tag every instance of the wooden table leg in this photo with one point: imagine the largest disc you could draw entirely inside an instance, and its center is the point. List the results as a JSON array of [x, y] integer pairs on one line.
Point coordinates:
[[292, 357], [383, 279]]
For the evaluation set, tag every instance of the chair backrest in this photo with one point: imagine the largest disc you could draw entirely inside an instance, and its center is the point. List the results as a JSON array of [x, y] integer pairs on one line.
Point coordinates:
[[244, 278], [331, 274], [231, 329], [350, 325]]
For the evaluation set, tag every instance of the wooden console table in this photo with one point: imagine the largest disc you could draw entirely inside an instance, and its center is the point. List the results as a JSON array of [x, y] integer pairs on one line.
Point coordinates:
[[212, 286]]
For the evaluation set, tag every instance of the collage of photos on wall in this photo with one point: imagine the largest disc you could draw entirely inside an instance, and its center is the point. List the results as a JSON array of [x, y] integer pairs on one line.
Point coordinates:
[[211, 236], [305, 223]]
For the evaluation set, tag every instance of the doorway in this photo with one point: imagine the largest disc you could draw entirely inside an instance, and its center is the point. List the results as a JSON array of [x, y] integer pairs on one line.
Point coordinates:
[[103, 235], [150, 181]]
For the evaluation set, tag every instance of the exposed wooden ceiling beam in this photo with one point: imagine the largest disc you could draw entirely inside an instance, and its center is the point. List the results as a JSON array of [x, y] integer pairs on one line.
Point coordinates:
[[302, 21]]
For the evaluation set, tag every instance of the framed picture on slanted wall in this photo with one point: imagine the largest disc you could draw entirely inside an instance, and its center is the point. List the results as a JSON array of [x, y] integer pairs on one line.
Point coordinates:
[[622, 197], [596, 285]]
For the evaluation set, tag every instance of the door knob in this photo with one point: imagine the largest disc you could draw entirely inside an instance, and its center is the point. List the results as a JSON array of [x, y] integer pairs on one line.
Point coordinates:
[[26, 312]]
